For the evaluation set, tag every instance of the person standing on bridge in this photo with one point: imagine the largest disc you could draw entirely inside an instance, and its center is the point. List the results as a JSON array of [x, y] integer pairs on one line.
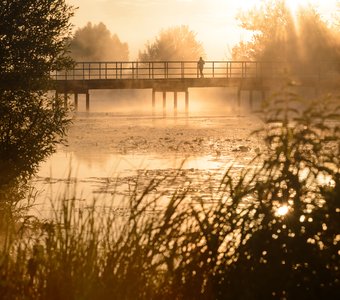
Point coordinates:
[[200, 65]]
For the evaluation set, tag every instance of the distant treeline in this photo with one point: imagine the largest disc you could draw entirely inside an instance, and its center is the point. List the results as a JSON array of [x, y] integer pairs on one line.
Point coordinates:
[[278, 34], [96, 42]]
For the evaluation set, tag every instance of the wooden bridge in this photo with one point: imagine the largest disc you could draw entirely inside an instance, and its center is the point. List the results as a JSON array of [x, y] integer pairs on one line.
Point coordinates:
[[179, 76]]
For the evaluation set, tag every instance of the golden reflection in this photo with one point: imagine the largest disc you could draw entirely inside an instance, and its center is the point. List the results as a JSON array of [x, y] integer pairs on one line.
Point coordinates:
[[282, 210]]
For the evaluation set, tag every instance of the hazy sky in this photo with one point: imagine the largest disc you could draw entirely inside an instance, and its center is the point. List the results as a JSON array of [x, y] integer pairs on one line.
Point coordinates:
[[139, 21]]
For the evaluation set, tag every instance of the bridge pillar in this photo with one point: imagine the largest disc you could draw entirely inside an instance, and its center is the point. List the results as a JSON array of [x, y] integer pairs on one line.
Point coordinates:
[[175, 103], [87, 102], [55, 103], [164, 103], [65, 100], [153, 100], [76, 101], [239, 97], [186, 102]]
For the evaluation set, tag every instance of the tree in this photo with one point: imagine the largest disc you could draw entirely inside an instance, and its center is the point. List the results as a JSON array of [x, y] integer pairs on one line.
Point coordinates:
[[33, 42], [96, 43], [279, 35], [175, 43], [272, 25]]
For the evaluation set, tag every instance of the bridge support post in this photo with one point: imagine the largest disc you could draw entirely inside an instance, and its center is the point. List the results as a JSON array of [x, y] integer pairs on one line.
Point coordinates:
[[87, 102], [76, 101], [153, 101], [65, 100], [55, 102], [175, 103], [186, 102], [239, 97], [164, 103]]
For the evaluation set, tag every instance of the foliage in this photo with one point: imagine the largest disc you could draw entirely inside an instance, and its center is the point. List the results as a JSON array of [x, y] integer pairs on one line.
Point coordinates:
[[33, 42], [236, 246], [304, 38], [272, 25], [96, 43], [175, 43], [298, 252]]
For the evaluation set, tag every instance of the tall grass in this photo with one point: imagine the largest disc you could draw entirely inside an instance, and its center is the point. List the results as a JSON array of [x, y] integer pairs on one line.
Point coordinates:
[[238, 247]]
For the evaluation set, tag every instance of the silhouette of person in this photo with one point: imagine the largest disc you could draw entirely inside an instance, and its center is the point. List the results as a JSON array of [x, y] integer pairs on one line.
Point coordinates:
[[200, 65]]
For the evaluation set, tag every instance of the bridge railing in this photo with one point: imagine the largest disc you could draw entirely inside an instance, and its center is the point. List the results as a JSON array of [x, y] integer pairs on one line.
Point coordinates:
[[169, 70], [188, 69]]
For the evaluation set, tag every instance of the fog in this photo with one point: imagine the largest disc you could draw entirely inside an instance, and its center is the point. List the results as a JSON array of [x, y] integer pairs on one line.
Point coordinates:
[[123, 128], [300, 37], [94, 42], [202, 101], [213, 20]]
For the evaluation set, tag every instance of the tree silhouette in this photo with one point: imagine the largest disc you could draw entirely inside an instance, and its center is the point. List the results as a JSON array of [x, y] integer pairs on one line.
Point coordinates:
[[96, 43], [175, 43], [33, 42]]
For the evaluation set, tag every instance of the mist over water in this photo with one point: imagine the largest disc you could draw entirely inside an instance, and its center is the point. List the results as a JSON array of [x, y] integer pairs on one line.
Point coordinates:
[[202, 101], [119, 142]]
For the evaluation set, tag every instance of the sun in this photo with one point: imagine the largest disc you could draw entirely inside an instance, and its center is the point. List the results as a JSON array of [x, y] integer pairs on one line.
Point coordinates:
[[295, 5]]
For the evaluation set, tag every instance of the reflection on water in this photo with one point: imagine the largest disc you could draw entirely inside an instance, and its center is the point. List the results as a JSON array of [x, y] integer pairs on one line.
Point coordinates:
[[67, 164], [108, 154]]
